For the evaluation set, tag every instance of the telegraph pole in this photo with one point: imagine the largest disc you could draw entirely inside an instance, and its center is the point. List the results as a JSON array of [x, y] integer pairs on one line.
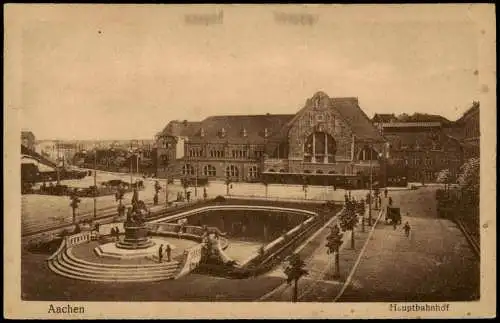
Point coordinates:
[[371, 187]]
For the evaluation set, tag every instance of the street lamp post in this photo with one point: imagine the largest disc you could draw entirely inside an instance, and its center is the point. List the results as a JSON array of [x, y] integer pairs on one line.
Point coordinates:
[[95, 184], [57, 161], [196, 179], [166, 182]]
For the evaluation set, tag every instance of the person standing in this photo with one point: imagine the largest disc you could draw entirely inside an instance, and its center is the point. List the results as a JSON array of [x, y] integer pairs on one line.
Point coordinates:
[[407, 229], [160, 253], [169, 252]]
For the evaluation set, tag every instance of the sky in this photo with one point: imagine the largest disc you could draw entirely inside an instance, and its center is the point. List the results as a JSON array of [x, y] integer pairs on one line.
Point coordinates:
[[122, 72]]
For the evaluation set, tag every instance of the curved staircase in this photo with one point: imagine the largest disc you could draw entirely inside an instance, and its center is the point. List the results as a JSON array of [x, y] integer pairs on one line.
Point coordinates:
[[67, 265]]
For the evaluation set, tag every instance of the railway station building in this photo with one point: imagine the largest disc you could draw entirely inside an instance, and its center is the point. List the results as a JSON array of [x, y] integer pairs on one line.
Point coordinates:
[[328, 141]]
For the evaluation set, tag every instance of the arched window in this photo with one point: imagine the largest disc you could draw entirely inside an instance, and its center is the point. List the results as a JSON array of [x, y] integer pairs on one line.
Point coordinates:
[[319, 171], [187, 169], [253, 171], [320, 147], [332, 172], [209, 170], [271, 170], [232, 171], [307, 171], [282, 171]]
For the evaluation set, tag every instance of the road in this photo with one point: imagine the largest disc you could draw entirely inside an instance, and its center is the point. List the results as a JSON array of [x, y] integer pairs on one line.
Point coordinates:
[[434, 264]]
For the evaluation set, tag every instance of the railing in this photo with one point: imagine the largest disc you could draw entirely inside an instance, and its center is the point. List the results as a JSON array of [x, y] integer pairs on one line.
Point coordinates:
[[78, 238], [59, 250], [277, 245], [229, 207], [70, 241]]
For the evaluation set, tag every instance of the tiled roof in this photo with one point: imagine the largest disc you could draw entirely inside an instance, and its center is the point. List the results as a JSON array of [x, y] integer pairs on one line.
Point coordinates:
[[360, 124], [241, 128], [182, 128], [277, 125]]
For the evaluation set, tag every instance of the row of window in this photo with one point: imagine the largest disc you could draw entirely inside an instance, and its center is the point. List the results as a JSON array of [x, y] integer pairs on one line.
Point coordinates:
[[214, 153], [211, 171], [397, 145], [416, 161], [319, 171], [472, 130], [318, 117]]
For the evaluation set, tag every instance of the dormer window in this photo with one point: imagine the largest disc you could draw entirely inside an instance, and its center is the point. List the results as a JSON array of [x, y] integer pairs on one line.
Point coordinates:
[[266, 132], [223, 132], [202, 132], [244, 132]]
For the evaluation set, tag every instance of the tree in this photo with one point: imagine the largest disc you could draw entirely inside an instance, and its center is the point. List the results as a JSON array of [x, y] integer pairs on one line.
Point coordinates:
[[265, 183], [185, 186], [468, 178], [75, 201], [305, 186], [294, 270], [444, 177], [349, 220], [157, 190], [119, 161], [228, 182], [334, 241]]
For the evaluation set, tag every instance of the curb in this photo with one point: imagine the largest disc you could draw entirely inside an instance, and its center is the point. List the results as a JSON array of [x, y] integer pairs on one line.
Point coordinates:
[[358, 260], [472, 242]]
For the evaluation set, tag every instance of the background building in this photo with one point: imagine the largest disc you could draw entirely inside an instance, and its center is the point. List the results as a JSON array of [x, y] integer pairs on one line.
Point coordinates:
[[469, 131], [329, 138], [421, 150], [28, 139]]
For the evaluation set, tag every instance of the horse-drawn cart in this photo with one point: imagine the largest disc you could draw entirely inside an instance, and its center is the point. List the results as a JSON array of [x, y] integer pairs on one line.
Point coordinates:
[[393, 215]]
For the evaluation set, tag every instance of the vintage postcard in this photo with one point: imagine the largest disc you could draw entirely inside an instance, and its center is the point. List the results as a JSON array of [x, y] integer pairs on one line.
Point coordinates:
[[249, 161]]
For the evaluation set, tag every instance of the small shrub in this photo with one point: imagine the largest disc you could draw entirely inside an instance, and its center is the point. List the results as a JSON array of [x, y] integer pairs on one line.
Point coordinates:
[[219, 198]]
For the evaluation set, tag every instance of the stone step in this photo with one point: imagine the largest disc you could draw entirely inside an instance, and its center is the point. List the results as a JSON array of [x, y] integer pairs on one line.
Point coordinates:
[[124, 266], [62, 271], [96, 268], [93, 273]]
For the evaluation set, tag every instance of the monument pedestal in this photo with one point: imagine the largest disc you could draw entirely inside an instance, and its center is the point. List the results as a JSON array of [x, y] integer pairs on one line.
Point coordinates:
[[136, 237]]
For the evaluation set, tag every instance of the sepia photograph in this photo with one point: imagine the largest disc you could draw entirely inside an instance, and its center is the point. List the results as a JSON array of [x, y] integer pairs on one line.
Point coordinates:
[[250, 161]]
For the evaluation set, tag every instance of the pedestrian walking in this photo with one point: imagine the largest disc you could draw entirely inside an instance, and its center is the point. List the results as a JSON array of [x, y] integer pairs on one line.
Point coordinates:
[[160, 253], [407, 229], [169, 252]]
